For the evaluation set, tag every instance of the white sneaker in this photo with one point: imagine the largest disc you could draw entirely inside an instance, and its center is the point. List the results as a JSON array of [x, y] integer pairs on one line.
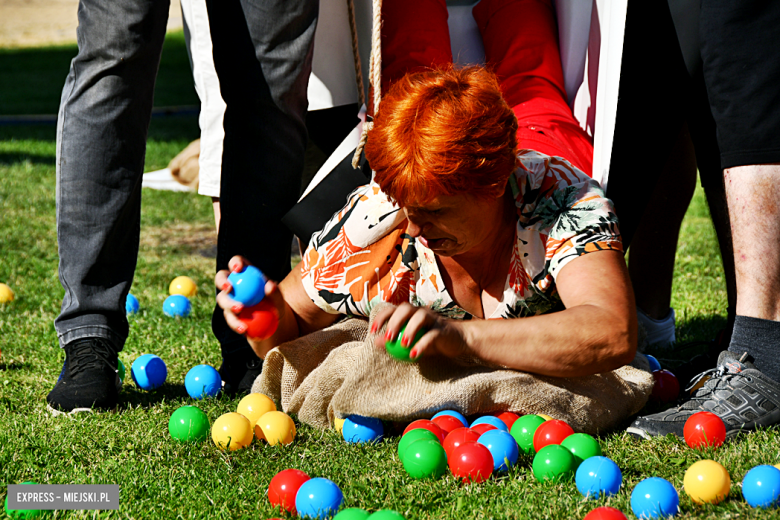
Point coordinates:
[[659, 332]]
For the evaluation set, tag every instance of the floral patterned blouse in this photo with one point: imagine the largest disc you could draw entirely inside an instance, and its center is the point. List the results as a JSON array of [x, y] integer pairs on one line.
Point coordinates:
[[363, 255]]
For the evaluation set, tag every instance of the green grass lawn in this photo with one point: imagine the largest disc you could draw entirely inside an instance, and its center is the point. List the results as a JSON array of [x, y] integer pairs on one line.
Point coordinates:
[[131, 447]]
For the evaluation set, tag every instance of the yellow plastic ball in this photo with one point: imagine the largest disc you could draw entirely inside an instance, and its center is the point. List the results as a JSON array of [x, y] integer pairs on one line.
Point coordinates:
[[6, 294], [254, 406], [545, 416], [707, 482], [338, 424], [183, 285], [231, 431], [276, 427], [777, 466]]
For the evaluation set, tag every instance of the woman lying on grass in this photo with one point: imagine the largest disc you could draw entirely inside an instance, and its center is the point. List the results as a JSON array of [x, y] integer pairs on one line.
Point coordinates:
[[509, 255]]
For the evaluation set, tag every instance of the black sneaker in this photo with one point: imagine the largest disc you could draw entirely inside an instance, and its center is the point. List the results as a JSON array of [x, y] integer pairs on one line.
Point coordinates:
[[89, 379], [735, 391], [239, 372]]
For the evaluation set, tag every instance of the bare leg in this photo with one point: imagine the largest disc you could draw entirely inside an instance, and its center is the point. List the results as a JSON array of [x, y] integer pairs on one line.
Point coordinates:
[[652, 252], [217, 213], [753, 195]]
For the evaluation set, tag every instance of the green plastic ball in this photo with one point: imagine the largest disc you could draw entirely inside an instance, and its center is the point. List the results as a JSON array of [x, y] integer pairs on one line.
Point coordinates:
[[386, 514], [412, 436], [23, 514], [189, 424], [582, 446], [353, 513], [425, 459], [523, 431], [553, 462], [121, 369], [398, 351]]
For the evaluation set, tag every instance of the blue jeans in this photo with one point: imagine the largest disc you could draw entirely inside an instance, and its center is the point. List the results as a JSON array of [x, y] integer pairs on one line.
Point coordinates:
[[101, 142]]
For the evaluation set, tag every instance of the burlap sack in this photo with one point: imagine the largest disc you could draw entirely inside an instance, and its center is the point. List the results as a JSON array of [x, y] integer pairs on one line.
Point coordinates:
[[338, 371], [185, 167]]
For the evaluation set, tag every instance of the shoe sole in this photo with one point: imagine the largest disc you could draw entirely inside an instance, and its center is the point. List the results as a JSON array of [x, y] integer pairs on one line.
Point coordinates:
[[57, 413], [636, 432], [730, 434]]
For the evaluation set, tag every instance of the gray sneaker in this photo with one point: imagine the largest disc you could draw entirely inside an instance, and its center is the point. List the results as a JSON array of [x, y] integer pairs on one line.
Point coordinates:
[[735, 391]]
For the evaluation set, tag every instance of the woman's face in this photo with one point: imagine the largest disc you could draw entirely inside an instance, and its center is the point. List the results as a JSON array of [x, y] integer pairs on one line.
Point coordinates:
[[453, 225]]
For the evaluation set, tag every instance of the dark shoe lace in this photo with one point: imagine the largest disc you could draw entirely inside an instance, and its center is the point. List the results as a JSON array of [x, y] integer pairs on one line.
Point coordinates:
[[90, 354]]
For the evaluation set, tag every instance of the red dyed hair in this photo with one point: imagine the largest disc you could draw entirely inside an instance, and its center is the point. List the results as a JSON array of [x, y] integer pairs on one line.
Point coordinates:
[[445, 131]]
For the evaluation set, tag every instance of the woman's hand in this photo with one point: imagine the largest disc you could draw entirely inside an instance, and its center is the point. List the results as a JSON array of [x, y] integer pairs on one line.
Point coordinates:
[[231, 308], [442, 336]]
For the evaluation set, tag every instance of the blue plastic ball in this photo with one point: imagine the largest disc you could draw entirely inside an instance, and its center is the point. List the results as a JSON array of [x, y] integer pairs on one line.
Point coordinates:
[[761, 486], [203, 381], [654, 497], [177, 305], [503, 448], [131, 304], [455, 414], [149, 372], [489, 419], [654, 364], [248, 286], [358, 429], [318, 498], [598, 476]]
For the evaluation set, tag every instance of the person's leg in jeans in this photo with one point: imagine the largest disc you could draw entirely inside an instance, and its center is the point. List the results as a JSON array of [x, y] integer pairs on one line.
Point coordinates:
[[262, 55], [521, 46], [101, 143]]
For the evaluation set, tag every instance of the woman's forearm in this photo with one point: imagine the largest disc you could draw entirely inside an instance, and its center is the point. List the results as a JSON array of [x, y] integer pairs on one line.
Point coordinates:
[[578, 341]]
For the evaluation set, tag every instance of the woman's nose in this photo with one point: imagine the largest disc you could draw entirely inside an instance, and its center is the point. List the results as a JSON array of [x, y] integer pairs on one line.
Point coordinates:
[[413, 229]]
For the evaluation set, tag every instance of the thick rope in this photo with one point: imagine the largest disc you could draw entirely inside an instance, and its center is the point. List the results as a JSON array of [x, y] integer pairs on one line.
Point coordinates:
[[356, 52], [376, 54], [375, 75]]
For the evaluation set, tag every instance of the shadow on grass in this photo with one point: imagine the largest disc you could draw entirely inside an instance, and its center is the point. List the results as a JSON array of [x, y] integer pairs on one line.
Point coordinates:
[[14, 366], [8, 159], [132, 397], [32, 78], [47, 132], [162, 128], [694, 336], [701, 328]]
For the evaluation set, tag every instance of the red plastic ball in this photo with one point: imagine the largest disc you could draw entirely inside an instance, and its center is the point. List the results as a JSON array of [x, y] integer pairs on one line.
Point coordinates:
[[428, 425], [509, 418], [283, 488], [666, 387], [471, 462], [605, 513], [551, 432], [483, 427], [447, 423], [704, 429], [261, 320], [458, 437]]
